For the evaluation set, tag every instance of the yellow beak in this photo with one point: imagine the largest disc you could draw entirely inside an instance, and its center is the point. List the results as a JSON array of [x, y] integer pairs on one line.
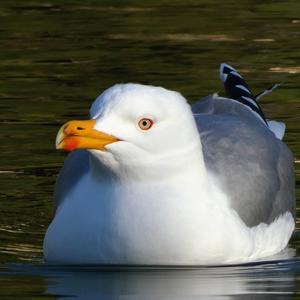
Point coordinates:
[[82, 135]]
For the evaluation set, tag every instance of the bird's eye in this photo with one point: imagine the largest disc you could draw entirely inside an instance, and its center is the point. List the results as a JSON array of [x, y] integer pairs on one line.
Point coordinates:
[[145, 123]]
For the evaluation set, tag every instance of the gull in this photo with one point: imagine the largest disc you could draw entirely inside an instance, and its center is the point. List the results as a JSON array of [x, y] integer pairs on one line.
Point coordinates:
[[151, 180]]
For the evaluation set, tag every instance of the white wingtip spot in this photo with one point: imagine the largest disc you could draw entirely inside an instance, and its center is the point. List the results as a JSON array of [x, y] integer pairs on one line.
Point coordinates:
[[235, 73], [250, 100], [223, 76], [239, 86]]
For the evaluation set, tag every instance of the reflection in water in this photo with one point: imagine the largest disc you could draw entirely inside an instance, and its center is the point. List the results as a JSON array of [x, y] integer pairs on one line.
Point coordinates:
[[56, 57], [171, 284], [263, 280]]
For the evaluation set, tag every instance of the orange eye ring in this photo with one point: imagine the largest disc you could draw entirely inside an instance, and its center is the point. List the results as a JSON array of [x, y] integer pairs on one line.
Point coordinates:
[[145, 123]]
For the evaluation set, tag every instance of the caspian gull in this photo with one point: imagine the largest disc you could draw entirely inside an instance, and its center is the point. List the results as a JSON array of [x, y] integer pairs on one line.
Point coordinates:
[[154, 182]]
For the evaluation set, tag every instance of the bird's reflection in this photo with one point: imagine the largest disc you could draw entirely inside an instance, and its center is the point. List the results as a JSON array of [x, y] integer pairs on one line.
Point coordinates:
[[262, 281]]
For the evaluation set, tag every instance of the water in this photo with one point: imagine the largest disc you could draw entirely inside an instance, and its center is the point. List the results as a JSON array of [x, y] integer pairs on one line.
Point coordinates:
[[259, 282], [57, 56]]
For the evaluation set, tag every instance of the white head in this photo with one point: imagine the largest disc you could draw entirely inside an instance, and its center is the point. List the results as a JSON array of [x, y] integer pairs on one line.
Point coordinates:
[[138, 125]]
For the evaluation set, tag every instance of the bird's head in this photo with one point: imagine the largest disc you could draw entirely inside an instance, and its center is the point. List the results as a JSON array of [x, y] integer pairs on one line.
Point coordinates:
[[132, 123]]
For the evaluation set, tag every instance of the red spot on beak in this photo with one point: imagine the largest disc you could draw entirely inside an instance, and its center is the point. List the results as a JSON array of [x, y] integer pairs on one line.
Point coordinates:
[[70, 144]]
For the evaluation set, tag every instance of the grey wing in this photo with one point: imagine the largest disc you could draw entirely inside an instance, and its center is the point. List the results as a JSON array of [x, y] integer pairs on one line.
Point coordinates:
[[75, 166], [252, 166]]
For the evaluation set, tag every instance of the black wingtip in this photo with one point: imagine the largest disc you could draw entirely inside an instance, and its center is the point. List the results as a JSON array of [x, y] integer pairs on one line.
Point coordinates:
[[236, 88], [225, 69], [234, 83]]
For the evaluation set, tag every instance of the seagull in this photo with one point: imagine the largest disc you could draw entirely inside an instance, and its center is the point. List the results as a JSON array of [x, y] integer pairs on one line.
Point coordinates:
[[151, 180]]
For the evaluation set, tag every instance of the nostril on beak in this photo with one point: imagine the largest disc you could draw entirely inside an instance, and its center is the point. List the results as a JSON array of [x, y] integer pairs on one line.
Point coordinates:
[[80, 128]]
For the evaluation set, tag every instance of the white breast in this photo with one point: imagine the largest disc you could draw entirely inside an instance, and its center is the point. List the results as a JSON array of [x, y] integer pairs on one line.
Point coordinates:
[[167, 224]]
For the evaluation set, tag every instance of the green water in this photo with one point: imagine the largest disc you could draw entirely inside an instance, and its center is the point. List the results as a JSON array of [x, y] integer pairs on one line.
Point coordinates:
[[57, 56]]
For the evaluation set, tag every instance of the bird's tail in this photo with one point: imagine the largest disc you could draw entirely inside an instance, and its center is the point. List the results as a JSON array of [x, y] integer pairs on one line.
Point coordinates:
[[236, 88]]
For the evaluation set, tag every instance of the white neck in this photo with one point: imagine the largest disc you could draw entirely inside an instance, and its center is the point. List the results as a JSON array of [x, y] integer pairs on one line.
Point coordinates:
[[186, 166]]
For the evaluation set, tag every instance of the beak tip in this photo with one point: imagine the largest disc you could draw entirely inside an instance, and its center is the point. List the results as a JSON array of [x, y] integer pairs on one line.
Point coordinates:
[[58, 144], [82, 135], [59, 138]]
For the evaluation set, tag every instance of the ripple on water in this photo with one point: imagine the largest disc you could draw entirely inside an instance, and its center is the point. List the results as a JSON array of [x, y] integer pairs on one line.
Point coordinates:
[[88, 282]]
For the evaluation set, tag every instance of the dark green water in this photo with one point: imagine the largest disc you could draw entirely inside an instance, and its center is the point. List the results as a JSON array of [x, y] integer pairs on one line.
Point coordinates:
[[57, 56]]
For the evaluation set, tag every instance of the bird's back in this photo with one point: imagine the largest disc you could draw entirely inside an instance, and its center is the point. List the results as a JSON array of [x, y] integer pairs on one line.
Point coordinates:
[[253, 167]]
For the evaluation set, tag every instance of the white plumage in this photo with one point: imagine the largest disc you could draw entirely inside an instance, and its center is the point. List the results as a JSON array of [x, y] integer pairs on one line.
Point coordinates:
[[155, 197]]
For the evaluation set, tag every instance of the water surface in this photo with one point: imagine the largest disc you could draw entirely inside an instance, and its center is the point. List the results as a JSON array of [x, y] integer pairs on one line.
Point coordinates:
[[57, 56]]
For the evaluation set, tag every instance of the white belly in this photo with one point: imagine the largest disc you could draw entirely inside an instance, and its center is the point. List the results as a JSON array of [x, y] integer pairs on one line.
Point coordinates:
[[121, 227]]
